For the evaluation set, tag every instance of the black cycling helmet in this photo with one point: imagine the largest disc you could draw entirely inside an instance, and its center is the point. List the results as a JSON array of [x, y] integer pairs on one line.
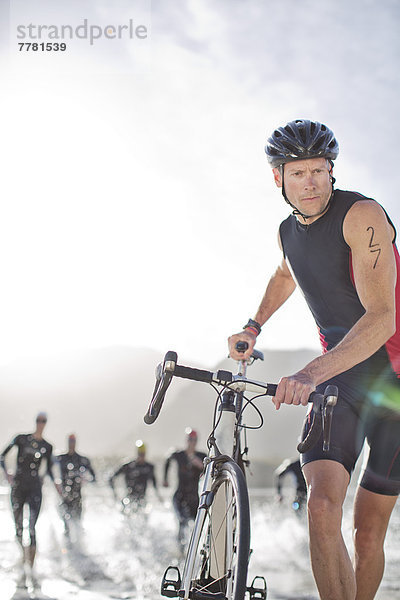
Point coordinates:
[[301, 139]]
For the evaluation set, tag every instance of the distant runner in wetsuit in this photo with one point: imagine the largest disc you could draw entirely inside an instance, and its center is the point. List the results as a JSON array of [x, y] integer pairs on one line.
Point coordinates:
[[137, 474], [26, 483], [292, 467], [73, 468], [186, 496]]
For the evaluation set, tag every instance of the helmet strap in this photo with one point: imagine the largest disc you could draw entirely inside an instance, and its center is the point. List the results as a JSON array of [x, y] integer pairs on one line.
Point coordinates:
[[330, 173]]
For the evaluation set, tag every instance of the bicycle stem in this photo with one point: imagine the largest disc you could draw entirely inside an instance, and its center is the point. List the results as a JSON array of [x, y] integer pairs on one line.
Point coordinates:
[[242, 368]]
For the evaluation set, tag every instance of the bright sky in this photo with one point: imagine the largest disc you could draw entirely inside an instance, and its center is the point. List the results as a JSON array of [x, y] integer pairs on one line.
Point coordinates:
[[137, 207]]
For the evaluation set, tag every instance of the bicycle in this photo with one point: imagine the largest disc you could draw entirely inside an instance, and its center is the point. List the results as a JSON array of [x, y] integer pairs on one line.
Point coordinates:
[[218, 554]]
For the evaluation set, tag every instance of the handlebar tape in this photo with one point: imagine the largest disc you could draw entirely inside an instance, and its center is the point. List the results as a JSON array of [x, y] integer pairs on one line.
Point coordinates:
[[149, 419], [194, 374], [272, 387]]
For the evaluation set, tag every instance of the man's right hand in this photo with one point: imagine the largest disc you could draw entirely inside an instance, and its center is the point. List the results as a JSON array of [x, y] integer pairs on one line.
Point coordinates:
[[243, 336]]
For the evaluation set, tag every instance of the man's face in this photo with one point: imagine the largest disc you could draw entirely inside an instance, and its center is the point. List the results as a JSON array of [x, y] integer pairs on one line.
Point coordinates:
[[41, 423], [307, 185], [191, 442]]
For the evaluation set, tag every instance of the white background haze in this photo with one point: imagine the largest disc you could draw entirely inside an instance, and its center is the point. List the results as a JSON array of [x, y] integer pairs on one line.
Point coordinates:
[[137, 215], [137, 206]]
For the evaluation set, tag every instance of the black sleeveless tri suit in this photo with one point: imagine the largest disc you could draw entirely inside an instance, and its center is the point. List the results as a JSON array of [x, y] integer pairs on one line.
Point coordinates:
[[369, 393]]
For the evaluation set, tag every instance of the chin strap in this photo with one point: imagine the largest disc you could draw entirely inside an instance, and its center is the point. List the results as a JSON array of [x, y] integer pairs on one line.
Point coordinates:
[[296, 210]]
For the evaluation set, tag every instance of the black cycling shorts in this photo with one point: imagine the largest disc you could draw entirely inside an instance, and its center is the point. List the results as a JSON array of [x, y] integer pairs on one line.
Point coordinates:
[[364, 413]]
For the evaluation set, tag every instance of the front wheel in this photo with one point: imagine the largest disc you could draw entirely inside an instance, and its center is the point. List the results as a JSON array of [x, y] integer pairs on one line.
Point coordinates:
[[219, 550]]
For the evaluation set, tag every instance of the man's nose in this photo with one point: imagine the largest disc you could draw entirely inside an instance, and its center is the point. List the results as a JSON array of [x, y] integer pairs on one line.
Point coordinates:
[[309, 181]]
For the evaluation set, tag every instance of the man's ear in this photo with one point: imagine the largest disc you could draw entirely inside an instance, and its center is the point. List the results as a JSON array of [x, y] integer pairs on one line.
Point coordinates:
[[277, 177]]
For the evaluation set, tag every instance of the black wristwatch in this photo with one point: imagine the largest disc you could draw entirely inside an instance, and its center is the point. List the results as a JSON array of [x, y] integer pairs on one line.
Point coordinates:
[[254, 325]]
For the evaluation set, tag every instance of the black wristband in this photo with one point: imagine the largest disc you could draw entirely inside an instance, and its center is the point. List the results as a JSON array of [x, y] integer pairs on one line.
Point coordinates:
[[254, 325]]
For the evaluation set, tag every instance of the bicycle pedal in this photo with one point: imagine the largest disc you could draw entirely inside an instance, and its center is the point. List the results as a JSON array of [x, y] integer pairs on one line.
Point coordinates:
[[170, 587], [258, 588]]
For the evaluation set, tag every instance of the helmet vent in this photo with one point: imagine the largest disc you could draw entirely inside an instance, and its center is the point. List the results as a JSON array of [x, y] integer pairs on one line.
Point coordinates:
[[302, 134], [318, 146], [289, 130], [291, 149]]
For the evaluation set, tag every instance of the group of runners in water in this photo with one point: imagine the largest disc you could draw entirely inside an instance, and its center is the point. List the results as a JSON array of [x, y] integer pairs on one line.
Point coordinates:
[[69, 471]]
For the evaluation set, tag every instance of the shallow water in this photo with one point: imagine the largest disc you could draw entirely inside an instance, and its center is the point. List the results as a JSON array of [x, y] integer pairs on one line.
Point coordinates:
[[120, 557]]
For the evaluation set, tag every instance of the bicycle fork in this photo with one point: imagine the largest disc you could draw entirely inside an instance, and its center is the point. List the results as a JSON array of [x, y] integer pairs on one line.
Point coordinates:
[[177, 587]]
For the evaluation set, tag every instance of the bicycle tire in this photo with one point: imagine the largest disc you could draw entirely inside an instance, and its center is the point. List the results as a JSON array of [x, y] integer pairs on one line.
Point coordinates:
[[225, 533]]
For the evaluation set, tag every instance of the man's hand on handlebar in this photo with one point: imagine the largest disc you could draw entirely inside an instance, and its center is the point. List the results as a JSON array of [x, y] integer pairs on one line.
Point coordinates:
[[243, 336], [294, 389]]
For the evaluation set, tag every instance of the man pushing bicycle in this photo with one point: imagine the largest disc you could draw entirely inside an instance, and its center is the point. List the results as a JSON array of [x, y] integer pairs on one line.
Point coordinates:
[[339, 248]]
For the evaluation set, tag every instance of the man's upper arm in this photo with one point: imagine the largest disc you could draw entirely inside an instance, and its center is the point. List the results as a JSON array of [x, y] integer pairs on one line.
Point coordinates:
[[283, 267], [7, 450], [369, 235]]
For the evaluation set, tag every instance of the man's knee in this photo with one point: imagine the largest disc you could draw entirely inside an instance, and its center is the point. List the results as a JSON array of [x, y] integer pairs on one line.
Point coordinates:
[[368, 542], [18, 535], [32, 536], [324, 512], [321, 506], [371, 518], [369, 535], [327, 483]]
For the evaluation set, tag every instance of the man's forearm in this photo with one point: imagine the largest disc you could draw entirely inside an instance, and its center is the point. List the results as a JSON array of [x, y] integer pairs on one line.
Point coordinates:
[[365, 337], [279, 288]]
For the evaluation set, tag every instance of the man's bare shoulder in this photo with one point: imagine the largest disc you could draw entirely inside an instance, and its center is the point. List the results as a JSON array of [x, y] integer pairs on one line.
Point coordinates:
[[365, 215]]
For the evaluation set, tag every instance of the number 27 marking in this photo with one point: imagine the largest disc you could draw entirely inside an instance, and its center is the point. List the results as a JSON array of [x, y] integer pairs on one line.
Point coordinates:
[[373, 246]]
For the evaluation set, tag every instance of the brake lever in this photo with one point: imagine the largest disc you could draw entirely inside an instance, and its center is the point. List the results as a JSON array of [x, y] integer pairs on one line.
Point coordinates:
[[326, 427], [330, 400]]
